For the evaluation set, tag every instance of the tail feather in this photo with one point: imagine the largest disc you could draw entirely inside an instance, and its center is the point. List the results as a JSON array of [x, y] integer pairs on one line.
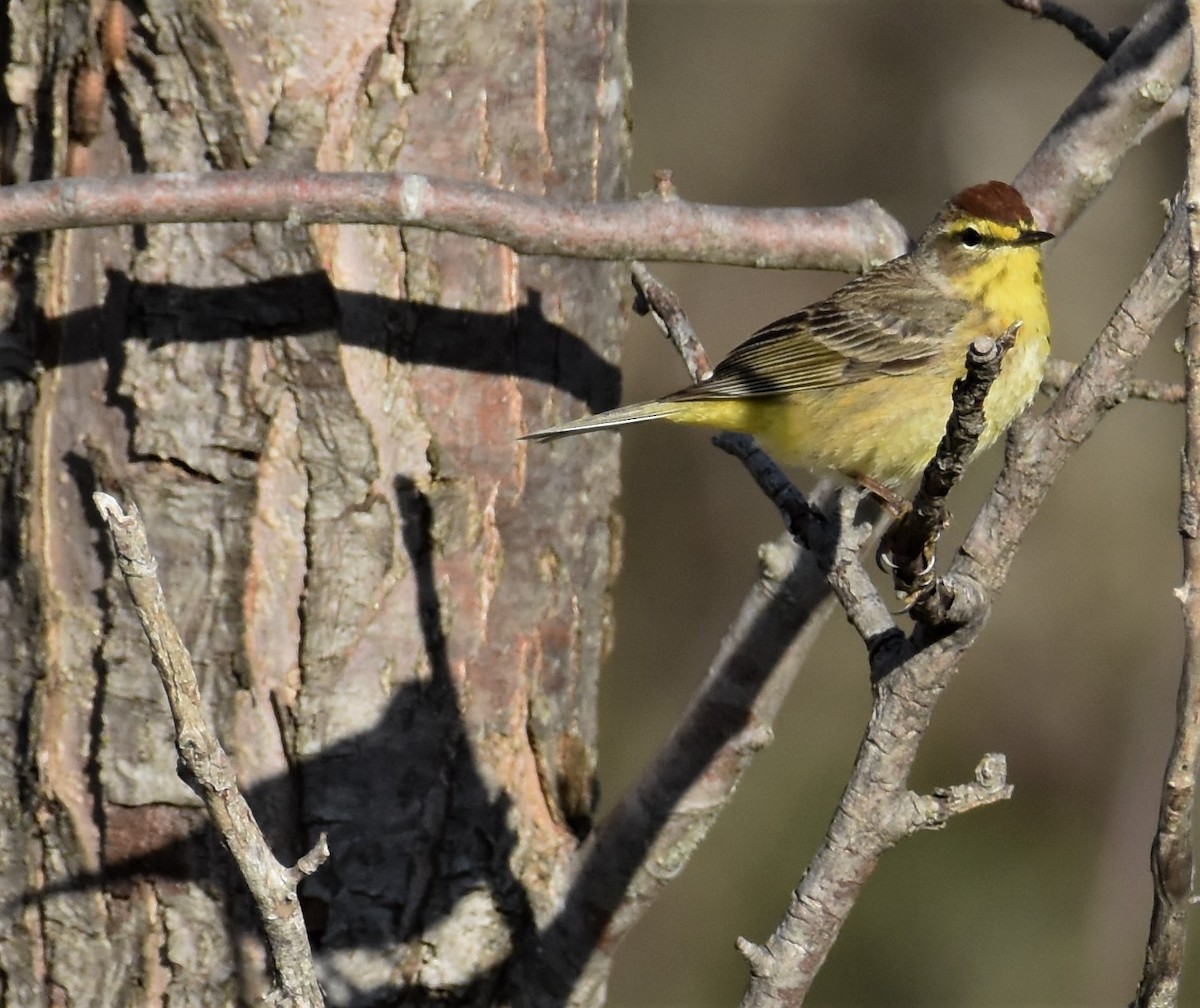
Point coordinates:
[[619, 417]]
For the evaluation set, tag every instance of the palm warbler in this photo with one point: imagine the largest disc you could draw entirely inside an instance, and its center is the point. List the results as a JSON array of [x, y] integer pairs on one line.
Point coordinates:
[[860, 382]]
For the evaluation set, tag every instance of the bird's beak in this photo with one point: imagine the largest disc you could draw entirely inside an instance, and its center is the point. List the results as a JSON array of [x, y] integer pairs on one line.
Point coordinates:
[[1033, 237]]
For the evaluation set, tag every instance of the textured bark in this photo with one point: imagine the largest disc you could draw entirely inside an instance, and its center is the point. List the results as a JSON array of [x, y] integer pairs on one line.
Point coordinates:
[[396, 611]]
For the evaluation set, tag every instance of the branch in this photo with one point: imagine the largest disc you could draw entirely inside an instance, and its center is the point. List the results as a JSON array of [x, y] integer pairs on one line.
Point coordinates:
[[1038, 449], [1080, 155], [272, 886], [852, 238], [876, 810], [908, 547], [872, 814], [1079, 26], [1173, 853], [654, 298], [837, 555], [934, 810], [1058, 373]]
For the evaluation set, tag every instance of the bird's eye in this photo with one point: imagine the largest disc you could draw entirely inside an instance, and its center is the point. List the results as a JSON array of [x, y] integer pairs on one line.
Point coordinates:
[[969, 237]]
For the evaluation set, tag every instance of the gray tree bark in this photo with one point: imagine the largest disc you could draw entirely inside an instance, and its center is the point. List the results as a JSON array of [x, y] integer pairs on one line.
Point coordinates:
[[396, 610]]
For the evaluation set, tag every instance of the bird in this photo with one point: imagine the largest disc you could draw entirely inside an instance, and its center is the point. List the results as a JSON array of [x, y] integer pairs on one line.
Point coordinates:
[[860, 382]]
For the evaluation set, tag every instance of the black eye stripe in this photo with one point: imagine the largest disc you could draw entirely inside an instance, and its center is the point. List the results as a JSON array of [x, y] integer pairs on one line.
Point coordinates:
[[973, 238]]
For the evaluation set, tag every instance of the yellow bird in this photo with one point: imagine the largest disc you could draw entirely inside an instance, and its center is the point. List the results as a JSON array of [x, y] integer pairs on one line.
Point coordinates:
[[860, 382]]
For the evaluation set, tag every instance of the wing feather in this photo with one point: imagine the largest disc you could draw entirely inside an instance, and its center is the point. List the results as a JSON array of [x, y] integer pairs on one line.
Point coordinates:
[[845, 339]]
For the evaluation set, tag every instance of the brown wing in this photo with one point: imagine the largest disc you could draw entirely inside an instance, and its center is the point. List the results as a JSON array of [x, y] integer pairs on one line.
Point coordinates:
[[890, 321]]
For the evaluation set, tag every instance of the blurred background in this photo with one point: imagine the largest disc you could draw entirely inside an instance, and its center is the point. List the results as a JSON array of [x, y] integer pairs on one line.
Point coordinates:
[[1042, 900]]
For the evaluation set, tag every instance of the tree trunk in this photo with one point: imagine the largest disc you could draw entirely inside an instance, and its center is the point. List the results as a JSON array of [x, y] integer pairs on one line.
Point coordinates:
[[396, 610]]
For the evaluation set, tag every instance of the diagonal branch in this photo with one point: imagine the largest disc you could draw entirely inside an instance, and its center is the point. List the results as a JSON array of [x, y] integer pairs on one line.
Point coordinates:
[[1079, 156], [1079, 26], [212, 776], [875, 809], [655, 299]]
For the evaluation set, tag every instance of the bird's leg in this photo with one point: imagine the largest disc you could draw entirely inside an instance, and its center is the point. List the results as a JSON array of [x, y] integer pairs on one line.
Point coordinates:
[[892, 501]]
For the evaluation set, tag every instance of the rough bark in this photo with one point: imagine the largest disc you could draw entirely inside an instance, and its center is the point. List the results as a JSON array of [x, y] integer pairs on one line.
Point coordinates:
[[395, 610]]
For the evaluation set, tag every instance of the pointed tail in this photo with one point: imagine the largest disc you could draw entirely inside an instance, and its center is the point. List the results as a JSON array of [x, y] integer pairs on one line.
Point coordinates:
[[619, 417]]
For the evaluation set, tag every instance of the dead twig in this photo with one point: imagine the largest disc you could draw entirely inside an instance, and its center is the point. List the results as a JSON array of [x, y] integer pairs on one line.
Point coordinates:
[[272, 886], [1058, 373], [1079, 26], [654, 298]]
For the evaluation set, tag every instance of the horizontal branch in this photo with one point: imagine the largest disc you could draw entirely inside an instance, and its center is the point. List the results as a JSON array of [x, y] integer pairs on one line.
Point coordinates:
[[852, 238], [1058, 373]]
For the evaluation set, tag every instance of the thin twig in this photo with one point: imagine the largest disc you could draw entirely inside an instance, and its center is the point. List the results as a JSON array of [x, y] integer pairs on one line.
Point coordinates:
[[934, 810], [272, 886], [1172, 854], [838, 555], [852, 238], [1058, 373], [655, 298], [799, 517], [1079, 26]]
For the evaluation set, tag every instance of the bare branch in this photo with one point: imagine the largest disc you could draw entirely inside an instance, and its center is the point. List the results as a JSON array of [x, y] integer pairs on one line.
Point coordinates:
[[852, 238], [908, 547], [656, 826], [775, 978], [1172, 856], [656, 299], [1058, 372], [933, 811], [1079, 26], [271, 884], [837, 556], [1079, 156], [876, 810], [797, 514]]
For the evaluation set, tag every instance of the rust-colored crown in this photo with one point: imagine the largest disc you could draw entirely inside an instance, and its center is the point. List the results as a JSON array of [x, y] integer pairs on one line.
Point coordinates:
[[994, 201]]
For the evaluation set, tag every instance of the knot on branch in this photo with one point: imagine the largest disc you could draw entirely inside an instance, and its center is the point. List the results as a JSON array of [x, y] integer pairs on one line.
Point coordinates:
[[934, 810]]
